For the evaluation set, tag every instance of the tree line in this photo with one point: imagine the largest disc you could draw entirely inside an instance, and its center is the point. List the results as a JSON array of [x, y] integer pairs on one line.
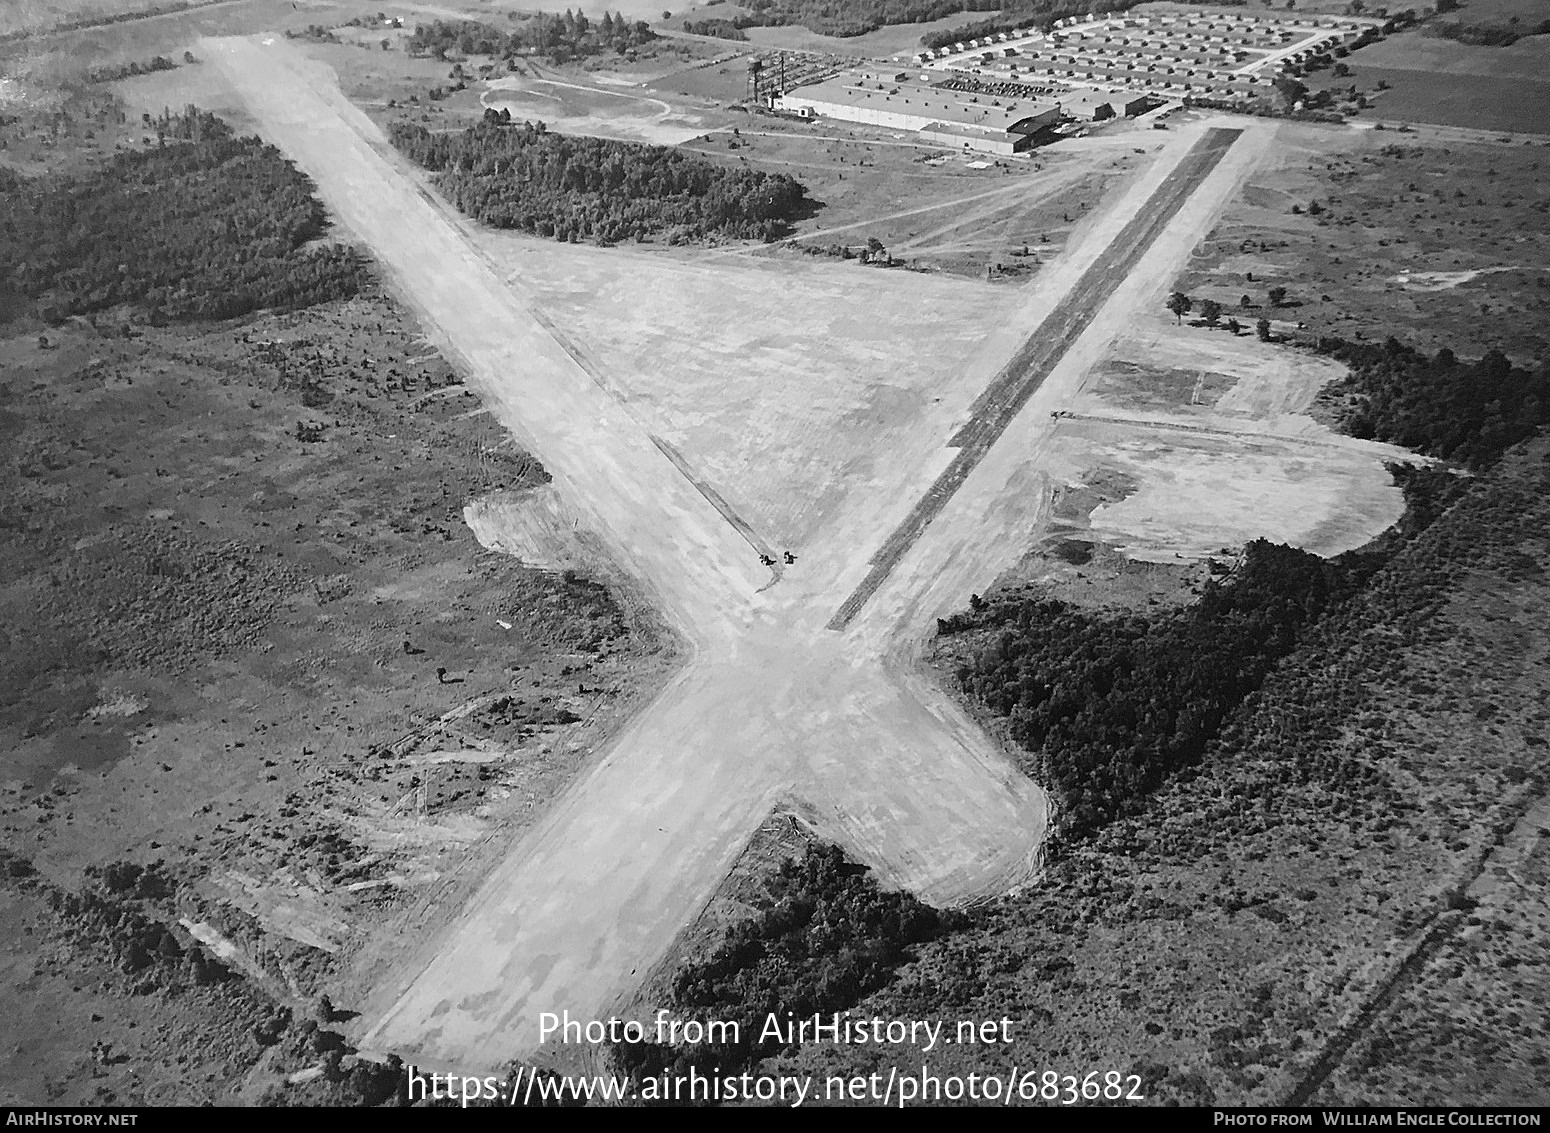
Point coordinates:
[[830, 935], [113, 73], [1106, 707], [204, 225], [1442, 405], [1486, 34], [718, 28], [526, 177], [571, 35]]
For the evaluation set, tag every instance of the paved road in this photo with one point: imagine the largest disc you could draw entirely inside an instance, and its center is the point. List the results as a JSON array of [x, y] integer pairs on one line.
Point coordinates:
[[769, 703]]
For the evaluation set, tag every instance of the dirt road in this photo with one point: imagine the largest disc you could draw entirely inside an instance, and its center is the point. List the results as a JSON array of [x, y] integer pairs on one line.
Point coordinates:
[[770, 703]]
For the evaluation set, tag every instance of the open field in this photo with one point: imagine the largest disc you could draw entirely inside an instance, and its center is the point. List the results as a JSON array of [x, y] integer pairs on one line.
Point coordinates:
[[33, 16], [607, 113], [1437, 80], [1523, 61], [727, 390], [897, 40], [48, 58], [1499, 11], [29, 15], [932, 209], [1481, 102], [1441, 241], [219, 541], [717, 84]]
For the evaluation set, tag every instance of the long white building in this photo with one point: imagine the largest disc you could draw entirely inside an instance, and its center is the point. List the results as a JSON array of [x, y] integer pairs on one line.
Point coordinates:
[[895, 101]]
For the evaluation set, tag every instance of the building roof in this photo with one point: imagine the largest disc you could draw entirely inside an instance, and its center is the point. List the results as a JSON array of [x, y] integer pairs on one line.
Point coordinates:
[[875, 90]]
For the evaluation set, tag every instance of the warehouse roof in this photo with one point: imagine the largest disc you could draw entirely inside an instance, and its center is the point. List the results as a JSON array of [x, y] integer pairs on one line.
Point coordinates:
[[903, 95]]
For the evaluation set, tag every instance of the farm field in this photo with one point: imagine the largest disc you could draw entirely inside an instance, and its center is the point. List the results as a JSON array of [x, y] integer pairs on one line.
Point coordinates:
[[1427, 78], [1415, 51], [1475, 101]]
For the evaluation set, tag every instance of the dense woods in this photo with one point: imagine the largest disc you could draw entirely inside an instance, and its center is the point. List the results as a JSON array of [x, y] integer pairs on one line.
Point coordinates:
[[1467, 412], [525, 177], [830, 936], [560, 38], [204, 225], [1110, 706]]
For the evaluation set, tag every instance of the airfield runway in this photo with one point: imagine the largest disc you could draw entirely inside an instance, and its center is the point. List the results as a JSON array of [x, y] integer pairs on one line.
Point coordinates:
[[769, 703], [1005, 397]]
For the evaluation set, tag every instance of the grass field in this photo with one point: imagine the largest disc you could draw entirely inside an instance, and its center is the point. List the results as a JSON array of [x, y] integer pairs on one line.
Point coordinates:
[[1453, 84], [895, 39], [41, 15], [718, 83], [928, 206], [1304, 8], [1479, 102], [1413, 51], [46, 61], [26, 15]]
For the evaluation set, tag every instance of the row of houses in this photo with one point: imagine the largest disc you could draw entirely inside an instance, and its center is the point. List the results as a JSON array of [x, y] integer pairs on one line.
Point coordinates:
[[1161, 78], [1228, 57], [973, 45]]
